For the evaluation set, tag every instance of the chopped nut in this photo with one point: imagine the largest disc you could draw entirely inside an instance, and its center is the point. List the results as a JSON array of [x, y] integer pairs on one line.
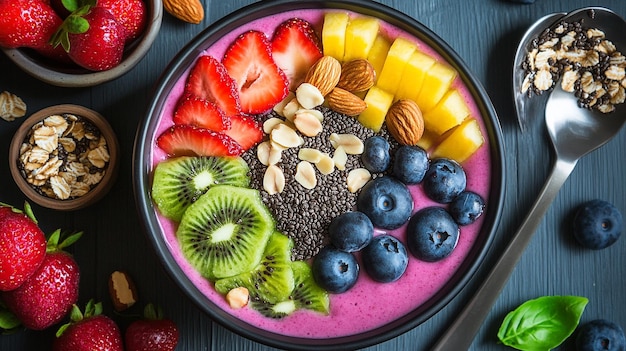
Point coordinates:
[[273, 180], [357, 178], [122, 290], [352, 145], [280, 107], [310, 155], [263, 152], [307, 122], [285, 136], [340, 158], [305, 175], [291, 108], [309, 96], [326, 165], [238, 297], [270, 124]]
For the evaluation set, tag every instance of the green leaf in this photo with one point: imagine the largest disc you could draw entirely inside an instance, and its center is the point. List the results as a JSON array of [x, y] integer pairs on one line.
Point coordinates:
[[70, 5], [8, 320], [76, 24], [543, 323]]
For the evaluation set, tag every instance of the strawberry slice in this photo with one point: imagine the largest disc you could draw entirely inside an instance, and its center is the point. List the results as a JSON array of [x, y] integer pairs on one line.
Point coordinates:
[[209, 80], [295, 48], [201, 113], [245, 130], [186, 140], [260, 83]]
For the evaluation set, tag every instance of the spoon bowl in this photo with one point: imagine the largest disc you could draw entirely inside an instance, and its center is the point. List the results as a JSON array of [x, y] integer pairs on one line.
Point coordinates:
[[574, 132], [525, 106]]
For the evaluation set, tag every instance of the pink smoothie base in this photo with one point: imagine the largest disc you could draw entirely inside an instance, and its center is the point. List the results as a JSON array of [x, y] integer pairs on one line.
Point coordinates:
[[369, 304]]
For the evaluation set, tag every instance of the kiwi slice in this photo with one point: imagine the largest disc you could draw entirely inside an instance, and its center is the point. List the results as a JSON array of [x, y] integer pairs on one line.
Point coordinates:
[[224, 233], [306, 294], [272, 279], [178, 182]]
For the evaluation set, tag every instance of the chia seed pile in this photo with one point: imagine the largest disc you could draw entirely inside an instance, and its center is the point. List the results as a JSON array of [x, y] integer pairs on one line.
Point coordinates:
[[303, 214]]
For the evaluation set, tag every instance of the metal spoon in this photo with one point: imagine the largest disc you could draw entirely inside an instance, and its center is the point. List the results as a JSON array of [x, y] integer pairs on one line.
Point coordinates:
[[525, 106], [574, 132]]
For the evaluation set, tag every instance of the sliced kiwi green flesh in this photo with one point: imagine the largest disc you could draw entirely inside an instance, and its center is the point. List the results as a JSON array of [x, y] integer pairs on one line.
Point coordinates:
[[179, 182], [306, 294], [272, 279], [224, 233]]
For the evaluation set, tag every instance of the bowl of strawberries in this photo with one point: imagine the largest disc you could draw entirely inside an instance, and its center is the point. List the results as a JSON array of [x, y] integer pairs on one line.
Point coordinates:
[[78, 43]]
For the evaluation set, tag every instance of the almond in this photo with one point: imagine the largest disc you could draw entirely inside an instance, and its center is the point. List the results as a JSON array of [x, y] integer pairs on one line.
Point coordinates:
[[324, 74], [356, 76], [190, 11], [122, 290], [343, 101], [405, 122]]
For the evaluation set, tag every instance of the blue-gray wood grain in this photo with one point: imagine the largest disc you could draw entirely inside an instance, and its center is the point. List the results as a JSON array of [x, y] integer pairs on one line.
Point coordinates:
[[485, 34]]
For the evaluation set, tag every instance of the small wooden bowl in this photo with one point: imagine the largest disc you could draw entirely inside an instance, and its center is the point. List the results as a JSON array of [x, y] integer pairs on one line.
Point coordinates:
[[97, 191]]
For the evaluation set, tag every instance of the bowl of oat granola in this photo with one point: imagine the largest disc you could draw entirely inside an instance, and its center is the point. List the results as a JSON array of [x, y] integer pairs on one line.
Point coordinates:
[[64, 157]]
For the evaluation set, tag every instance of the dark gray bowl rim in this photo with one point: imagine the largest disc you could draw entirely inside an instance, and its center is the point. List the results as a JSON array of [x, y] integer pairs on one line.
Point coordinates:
[[142, 170]]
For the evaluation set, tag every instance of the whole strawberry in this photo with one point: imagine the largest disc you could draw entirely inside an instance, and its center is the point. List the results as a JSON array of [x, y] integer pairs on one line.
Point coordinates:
[[48, 295], [22, 246], [92, 37], [91, 331], [130, 13], [27, 23], [153, 333]]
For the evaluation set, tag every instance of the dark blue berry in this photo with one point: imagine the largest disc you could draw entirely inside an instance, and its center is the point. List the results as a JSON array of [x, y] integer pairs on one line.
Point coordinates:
[[386, 201], [432, 234], [375, 156], [335, 270], [385, 259], [467, 207], [600, 335], [597, 224], [444, 180], [351, 231], [410, 164]]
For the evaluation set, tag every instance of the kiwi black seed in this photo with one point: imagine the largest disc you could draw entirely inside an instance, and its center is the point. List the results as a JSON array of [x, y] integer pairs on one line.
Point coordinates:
[[275, 310], [272, 279], [225, 232], [178, 182]]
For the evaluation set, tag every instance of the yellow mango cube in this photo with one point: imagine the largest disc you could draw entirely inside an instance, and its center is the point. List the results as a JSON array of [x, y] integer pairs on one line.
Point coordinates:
[[437, 81], [378, 53], [360, 36], [447, 114], [378, 102], [399, 54], [413, 76], [461, 143], [334, 34], [428, 140]]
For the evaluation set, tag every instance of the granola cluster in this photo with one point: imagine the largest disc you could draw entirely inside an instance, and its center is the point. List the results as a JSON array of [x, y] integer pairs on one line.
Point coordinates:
[[63, 156], [587, 64]]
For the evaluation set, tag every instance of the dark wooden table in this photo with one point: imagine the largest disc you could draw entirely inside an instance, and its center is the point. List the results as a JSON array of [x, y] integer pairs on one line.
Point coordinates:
[[485, 35]]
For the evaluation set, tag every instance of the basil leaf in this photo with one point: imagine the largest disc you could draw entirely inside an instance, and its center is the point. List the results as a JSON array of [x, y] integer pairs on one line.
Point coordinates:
[[543, 323]]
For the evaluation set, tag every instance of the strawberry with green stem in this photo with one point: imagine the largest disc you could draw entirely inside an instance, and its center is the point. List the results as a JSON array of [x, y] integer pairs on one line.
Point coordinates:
[[48, 295], [88, 331], [22, 246], [91, 36], [153, 332]]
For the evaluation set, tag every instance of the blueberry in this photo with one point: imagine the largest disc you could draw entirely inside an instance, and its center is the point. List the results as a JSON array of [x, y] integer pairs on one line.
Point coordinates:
[[444, 180], [410, 164], [351, 231], [600, 335], [386, 201], [597, 224], [467, 207], [375, 156], [432, 234], [335, 270], [385, 258]]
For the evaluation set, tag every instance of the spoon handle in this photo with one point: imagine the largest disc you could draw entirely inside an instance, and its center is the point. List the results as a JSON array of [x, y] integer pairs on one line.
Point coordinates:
[[461, 333]]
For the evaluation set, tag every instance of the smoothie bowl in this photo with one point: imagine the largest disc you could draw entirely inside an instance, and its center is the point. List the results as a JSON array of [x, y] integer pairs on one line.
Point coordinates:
[[319, 175]]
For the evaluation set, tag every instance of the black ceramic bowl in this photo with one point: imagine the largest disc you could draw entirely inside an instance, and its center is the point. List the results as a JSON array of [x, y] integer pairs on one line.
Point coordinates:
[[166, 246]]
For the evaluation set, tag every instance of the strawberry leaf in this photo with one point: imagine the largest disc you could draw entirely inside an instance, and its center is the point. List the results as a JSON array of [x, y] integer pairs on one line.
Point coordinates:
[[70, 5], [69, 240], [8, 320], [29, 212]]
